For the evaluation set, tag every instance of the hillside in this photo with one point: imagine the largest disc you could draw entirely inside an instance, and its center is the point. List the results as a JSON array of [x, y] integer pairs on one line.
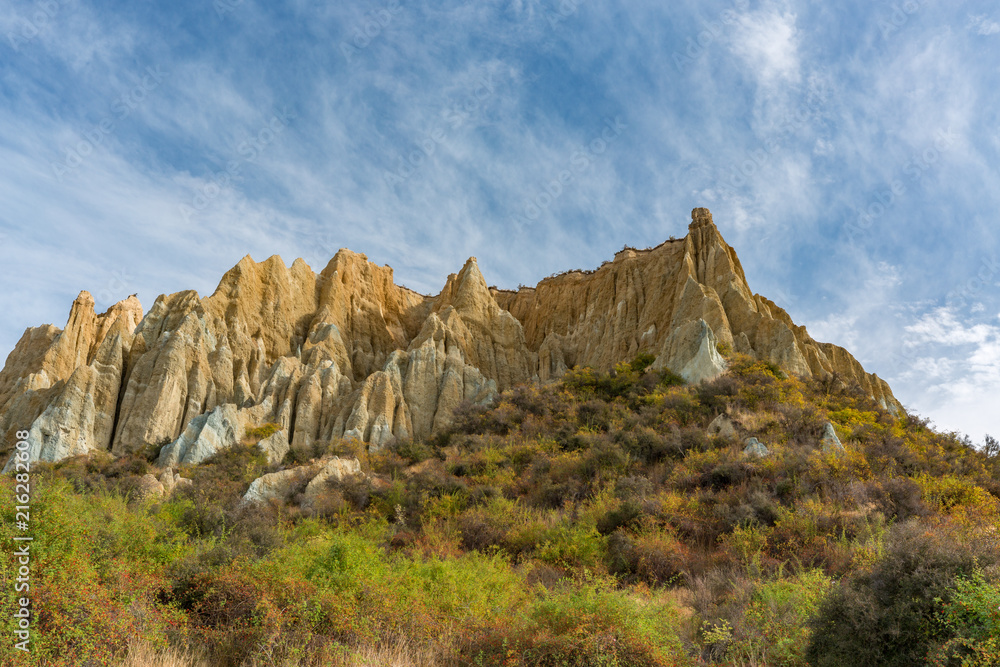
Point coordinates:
[[612, 518], [641, 465]]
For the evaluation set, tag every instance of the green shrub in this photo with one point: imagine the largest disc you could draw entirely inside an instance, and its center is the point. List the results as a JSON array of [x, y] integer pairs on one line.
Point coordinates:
[[884, 617], [971, 619], [624, 516], [775, 629], [262, 432], [587, 625]]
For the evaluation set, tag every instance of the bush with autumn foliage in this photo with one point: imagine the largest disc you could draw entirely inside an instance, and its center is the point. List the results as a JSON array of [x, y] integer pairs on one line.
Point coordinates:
[[592, 521]]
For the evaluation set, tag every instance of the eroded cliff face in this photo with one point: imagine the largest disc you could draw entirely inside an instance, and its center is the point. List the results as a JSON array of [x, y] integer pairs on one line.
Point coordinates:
[[348, 353], [640, 301]]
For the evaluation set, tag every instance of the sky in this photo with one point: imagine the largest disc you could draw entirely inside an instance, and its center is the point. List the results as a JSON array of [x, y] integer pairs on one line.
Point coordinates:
[[849, 151]]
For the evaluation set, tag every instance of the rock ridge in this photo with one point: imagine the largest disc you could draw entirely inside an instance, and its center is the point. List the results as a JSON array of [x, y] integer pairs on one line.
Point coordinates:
[[348, 353]]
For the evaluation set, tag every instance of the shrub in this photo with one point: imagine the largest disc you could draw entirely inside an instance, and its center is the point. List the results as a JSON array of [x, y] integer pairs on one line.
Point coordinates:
[[775, 629], [884, 616], [412, 451], [642, 362], [480, 532], [972, 619], [668, 378], [897, 498], [262, 432], [623, 516], [587, 625], [656, 560], [717, 394]]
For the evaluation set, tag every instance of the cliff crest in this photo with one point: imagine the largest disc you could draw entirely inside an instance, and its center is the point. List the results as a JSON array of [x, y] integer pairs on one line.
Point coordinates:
[[347, 353]]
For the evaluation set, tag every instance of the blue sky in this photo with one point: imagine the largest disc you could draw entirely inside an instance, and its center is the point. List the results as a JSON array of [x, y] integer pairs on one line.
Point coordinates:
[[849, 151]]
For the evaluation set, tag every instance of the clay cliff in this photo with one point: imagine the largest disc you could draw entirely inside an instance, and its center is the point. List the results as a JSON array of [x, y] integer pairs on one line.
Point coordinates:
[[348, 353]]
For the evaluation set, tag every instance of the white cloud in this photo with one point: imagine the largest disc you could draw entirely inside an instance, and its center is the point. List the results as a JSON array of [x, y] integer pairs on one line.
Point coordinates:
[[869, 106], [942, 327], [767, 41], [983, 25]]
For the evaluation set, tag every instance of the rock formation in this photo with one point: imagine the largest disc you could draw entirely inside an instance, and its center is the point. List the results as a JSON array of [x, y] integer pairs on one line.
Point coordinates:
[[348, 353], [755, 448], [830, 441]]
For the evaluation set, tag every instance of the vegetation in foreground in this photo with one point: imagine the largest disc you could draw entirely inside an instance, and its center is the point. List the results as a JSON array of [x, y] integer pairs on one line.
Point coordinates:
[[588, 523]]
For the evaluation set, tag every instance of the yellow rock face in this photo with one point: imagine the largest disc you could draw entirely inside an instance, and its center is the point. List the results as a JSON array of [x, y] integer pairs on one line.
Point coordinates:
[[348, 353]]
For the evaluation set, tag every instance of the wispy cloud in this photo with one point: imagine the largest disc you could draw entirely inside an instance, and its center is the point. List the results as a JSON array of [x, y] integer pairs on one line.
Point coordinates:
[[422, 130], [982, 24]]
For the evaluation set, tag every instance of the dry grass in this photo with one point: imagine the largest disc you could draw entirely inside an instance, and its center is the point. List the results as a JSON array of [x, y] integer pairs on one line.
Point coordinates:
[[757, 422], [142, 654], [398, 652]]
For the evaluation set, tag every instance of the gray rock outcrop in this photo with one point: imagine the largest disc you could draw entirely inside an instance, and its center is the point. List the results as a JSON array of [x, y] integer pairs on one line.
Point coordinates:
[[755, 448], [336, 470], [275, 447], [830, 441], [690, 351]]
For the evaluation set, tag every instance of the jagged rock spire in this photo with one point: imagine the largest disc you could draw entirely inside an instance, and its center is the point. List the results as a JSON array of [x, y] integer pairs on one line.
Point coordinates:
[[348, 353]]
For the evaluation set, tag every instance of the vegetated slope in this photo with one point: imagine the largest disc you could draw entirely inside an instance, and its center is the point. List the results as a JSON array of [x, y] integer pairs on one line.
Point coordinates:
[[348, 353], [608, 519]]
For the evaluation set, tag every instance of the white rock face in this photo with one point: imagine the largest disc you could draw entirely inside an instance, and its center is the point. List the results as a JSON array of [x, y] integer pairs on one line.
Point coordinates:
[[690, 351], [208, 434], [334, 471], [275, 447], [830, 441]]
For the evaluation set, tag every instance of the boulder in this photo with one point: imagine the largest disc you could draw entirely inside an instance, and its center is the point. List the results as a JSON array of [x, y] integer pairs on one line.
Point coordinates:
[[830, 441], [275, 447], [167, 480], [150, 487], [755, 448], [336, 470], [281, 485]]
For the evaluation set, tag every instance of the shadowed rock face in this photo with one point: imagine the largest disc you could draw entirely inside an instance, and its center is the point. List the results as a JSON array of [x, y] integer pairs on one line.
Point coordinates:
[[348, 353]]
